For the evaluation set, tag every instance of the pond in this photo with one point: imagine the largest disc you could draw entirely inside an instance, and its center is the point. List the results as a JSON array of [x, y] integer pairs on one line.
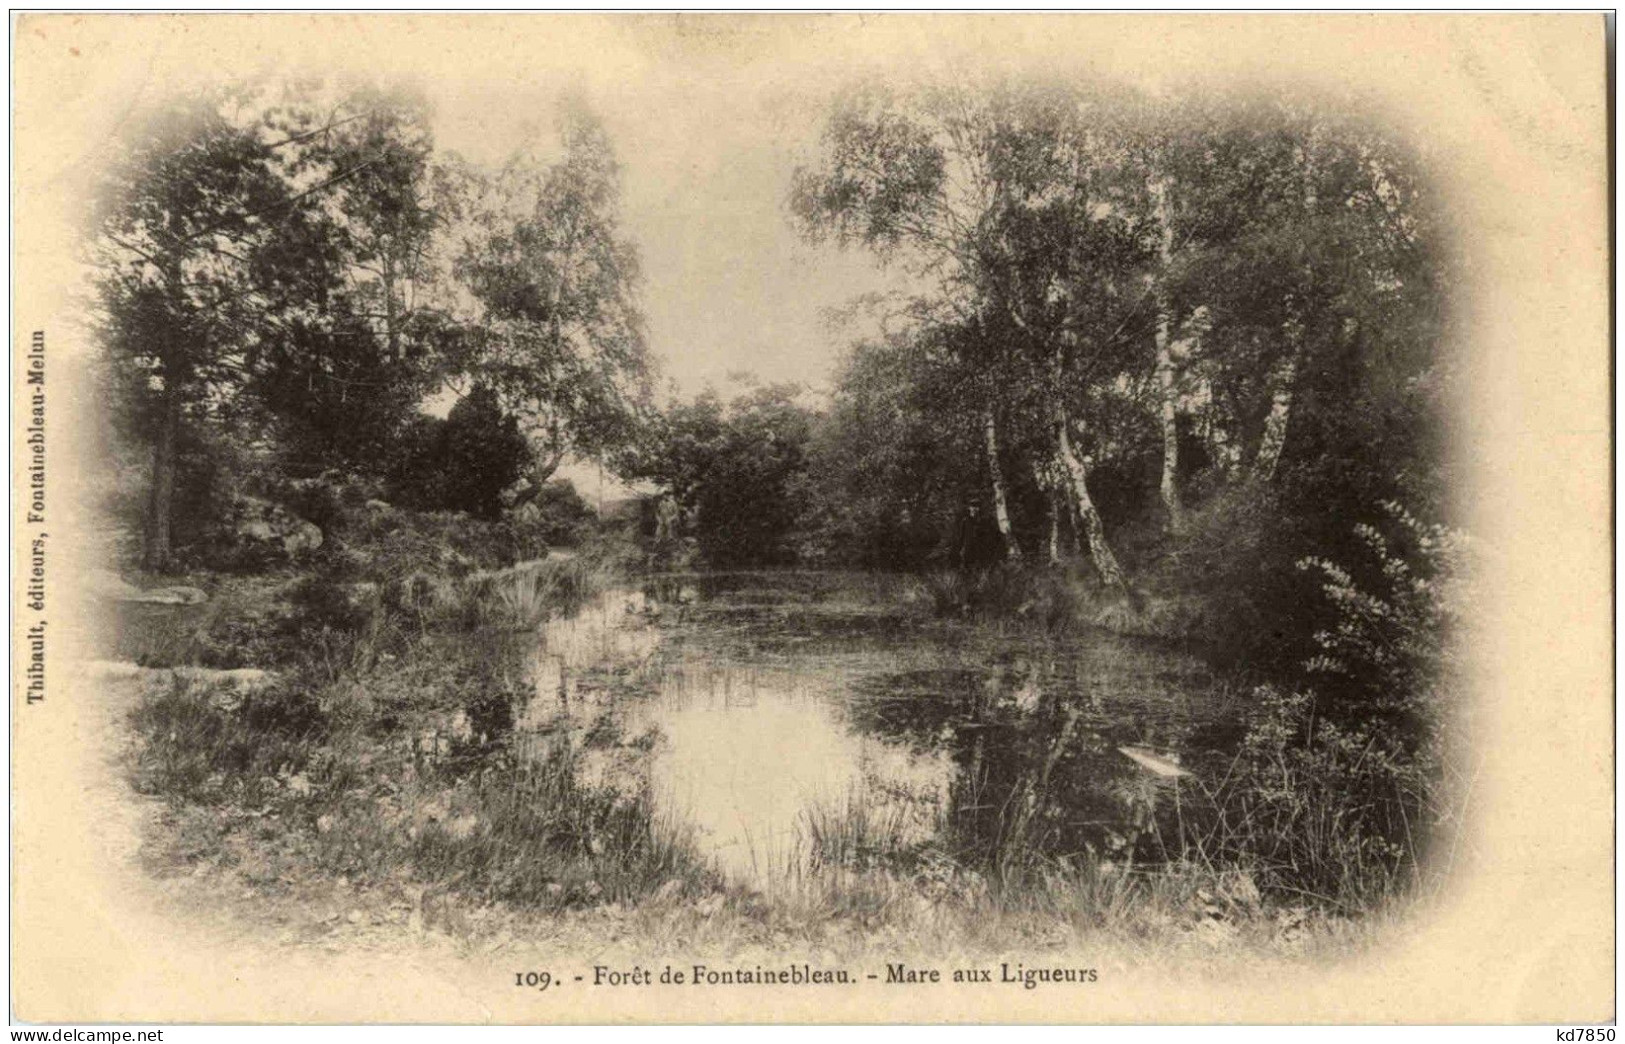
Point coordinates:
[[789, 723]]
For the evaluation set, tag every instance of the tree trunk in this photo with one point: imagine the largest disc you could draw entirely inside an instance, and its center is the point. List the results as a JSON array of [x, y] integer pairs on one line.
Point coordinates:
[[1051, 489], [392, 330], [546, 466], [1077, 475], [1227, 451], [1273, 441], [1170, 428], [1165, 362], [1001, 508], [1054, 530], [1285, 374], [161, 497]]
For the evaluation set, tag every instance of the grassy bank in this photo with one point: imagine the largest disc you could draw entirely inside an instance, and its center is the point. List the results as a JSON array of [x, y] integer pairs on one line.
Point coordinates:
[[377, 802], [1354, 766], [376, 744]]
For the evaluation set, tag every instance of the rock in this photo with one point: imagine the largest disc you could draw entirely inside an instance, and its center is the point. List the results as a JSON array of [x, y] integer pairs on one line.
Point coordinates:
[[114, 670], [167, 596], [267, 530], [378, 506], [521, 490], [1163, 765], [242, 679], [304, 538], [364, 597], [1216, 934], [1242, 890]]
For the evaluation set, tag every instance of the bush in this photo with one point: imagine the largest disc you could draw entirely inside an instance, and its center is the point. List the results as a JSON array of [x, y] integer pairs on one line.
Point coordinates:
[[389, 545], [1238, 553], [208, 487], [1335, 811], [737, 470], [1338, 786], [332, 500], [557, 514], [462, 463], [1388, 652]]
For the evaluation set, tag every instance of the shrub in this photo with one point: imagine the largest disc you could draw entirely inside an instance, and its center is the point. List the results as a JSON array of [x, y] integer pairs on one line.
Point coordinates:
[[1338, 786], [1238, 552], [560, 516], [390, 545], [1388, 651], [462, 463], [1335, 811], [332, 500]]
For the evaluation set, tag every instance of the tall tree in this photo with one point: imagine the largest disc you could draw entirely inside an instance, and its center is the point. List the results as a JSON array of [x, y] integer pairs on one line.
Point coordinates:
[[559, 334], [1010, 201], [1305, 243], [363, 327], [189, 198], [252, 255]]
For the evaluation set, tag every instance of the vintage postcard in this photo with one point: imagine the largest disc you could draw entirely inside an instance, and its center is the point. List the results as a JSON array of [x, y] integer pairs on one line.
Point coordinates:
[[811, 518]]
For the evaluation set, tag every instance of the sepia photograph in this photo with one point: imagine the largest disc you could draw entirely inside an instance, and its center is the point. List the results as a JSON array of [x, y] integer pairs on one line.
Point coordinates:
[[811, 518]]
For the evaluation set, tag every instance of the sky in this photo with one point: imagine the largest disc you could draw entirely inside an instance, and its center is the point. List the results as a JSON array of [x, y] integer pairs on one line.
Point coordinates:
[[728, 284]]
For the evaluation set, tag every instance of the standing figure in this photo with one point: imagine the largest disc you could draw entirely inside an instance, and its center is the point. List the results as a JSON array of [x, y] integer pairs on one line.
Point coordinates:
[[666, 514]]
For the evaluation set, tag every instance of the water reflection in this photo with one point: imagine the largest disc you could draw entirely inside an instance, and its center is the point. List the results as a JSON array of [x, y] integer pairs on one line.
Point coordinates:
[[797, 722], [767, 771]]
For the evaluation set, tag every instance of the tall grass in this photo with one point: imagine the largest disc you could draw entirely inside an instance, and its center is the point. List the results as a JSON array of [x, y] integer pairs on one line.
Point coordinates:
[[1059, 598], [388, 751], [386, 745], [527, 833], [863, 831], [524, 596], [206, 743], [469, 816]]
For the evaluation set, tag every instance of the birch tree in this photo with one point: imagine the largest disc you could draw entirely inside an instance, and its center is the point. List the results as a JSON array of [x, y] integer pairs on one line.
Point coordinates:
[[981, 196], [553, 283]]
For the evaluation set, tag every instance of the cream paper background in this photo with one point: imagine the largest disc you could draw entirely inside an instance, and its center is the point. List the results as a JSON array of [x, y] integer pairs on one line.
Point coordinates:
[[1512, 107]]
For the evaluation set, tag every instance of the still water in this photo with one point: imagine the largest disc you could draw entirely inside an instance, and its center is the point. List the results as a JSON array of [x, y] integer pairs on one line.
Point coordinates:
[[793, 722]]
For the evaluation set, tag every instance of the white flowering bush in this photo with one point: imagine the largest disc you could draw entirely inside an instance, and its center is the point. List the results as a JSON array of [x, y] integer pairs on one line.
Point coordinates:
[[1390, 644]]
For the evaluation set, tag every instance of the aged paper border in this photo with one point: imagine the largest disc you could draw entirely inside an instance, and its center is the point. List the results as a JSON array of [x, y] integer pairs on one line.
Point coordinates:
[[1516, 106]]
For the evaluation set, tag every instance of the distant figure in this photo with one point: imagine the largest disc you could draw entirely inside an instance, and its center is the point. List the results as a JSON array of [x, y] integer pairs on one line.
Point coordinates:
[[666, 515], [975, 541]]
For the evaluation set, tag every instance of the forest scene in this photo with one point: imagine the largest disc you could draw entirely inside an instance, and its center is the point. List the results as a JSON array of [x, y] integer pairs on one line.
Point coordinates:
[[1103, 594]]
